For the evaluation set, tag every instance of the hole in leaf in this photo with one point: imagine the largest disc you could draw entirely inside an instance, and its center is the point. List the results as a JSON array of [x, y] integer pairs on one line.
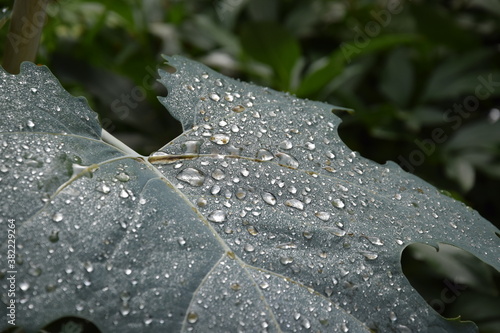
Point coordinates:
[[71, 324], [66, 324], [455, 283]]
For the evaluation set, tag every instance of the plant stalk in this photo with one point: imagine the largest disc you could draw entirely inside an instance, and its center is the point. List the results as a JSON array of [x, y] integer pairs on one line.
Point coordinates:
[[23, 38]]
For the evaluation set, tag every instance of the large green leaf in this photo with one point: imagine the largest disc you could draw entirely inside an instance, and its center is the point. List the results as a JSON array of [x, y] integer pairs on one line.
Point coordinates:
[[257, 218]]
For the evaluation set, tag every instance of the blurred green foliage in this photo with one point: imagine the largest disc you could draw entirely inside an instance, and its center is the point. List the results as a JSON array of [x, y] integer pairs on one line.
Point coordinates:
[[423, 76]]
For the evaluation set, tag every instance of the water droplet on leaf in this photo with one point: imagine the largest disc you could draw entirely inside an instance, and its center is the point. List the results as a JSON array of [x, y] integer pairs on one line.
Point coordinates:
[[217, 216], [191, 176], [269, 198]]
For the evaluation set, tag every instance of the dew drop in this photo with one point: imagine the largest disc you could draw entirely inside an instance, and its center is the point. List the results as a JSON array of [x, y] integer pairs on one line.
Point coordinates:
[[307, 235], [218, 174], [241, 194], [269, 198], [214, 97], [34, 90], [192, 317], [264, 155], [124, 194], [217, 216], [57, 217], [392, 316], [238, 108], [306, 323], [324, 216], [103, 188], [201, 202], [124, 310], [123, 177], [220, 139], [54, 236], [252, 230], [338, 203], [264, 285], [286, 246], [215, 189], [375, 240], [337, 232], [191, 176], [286, 145], [24, 286], [249, 248], [191, 147], [294, 203], [30, 123], [88, 266], [369, 255], [287, 160], [181, 241], [286, 260], [310, 146]]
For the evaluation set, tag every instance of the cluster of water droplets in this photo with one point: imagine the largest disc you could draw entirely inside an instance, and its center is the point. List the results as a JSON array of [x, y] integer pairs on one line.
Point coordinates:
[[282, 190]]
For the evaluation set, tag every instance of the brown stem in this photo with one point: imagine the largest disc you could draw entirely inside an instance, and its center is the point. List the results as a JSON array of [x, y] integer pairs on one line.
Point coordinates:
[[28, 18]]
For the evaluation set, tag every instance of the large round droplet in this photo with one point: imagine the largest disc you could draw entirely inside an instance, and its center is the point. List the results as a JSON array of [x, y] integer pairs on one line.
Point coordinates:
[[192, 317], [57, 217], [191, 176], [218, 174], [217, 216]]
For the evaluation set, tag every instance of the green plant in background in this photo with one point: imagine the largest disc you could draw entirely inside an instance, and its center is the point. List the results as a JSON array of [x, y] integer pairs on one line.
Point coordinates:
[[319, 53]]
